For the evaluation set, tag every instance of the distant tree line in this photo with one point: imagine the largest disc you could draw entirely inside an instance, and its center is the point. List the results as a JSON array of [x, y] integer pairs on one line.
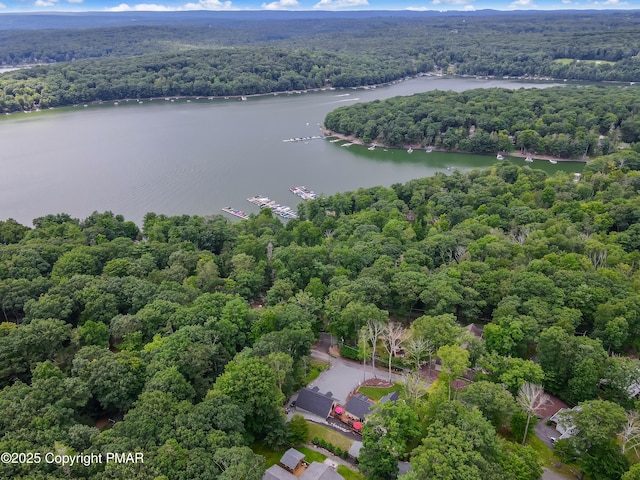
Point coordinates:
[[569, 122], [248, 57], [210, 72]]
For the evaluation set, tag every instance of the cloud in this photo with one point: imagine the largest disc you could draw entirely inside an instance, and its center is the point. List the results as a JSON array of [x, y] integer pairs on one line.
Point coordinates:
[[451, 2], [208, 5], [154, 7], [527, 4], [45, 3], [281, 5], [75, 1], [2, 5], [336, 4], [142, 7]]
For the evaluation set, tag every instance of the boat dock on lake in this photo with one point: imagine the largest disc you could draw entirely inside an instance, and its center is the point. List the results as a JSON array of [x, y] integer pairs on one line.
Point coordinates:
[[303, 139], [235, 212], [280, 210], [303, 192]]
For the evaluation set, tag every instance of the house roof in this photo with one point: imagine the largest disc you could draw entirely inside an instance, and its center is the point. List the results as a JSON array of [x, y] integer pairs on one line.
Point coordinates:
[[320, 471], [355, 448], [390, 397], [291, 458], [276, 472], [359, 405], [564, 424], [315, 402]]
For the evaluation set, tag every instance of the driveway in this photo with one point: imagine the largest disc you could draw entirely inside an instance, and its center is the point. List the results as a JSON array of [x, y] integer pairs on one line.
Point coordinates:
[[551, 475], [341, 378], [546, 433]]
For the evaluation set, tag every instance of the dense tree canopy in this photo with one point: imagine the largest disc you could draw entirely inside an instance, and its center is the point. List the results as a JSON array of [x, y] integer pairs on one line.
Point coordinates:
[[155, 329], [569, 122], [220, 56]]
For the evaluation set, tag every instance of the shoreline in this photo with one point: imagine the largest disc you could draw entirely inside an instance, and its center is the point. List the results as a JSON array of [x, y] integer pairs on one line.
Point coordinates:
[[435, 74], [357, 141]]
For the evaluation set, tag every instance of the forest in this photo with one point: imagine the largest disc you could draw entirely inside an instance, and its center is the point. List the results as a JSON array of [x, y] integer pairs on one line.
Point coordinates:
[[567, 122], [167, 55], [182, 339]]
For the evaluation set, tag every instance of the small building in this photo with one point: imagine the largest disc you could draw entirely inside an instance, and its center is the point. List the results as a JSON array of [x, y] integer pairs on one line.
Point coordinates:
[[276, 472], [320, 471], [390, 397], [354, 450], [312, 401], [292, 459], [358, 407]]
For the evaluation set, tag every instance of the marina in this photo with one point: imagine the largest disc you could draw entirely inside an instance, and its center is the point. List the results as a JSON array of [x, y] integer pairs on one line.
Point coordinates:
[[280, 210], [303, 192], [235, 212]]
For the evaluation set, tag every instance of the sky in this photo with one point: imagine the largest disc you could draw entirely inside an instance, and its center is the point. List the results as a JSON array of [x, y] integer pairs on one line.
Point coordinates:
[[7, 6]]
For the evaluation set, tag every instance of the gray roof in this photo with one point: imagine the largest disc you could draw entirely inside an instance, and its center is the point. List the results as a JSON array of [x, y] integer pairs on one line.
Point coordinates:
[[320, 471], [276, 472], [354, 451], [291, 458], [315, 402], [359, 405], [393, 396]]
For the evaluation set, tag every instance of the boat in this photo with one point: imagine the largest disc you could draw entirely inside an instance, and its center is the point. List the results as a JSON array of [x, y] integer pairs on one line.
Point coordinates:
[[553, 161], [235, 212], [528, 159], [303, 192], [280, 210], [410, 150], [428, 149], [499, 157], [372, 147]]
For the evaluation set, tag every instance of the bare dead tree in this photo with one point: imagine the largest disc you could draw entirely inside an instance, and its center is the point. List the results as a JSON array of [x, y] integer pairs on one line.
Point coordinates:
[[414, 387], [630, 435], [418, 349], [392, 338], [459, 253], [598, 258], [531, 398], [374, 330]]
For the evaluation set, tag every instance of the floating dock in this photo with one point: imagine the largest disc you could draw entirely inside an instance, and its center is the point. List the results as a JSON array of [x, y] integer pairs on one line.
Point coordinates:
[[235, 212], [303, 192], [280, 210], [303, 139]]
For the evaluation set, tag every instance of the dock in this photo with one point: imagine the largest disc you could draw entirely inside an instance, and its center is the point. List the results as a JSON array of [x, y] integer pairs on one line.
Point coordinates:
[[235, 212], [303, 139], [280, 210], [303, 192]]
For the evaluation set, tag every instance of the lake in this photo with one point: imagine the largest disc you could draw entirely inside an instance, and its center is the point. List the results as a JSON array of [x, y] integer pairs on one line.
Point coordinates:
[[198, 156]]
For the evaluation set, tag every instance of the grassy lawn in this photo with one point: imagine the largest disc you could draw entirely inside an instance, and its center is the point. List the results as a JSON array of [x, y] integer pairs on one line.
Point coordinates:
[[376, 393], [349, 474], [315, 369], [549, 460], [311, 455], [329, 435], [272, 456], [566, 61]]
